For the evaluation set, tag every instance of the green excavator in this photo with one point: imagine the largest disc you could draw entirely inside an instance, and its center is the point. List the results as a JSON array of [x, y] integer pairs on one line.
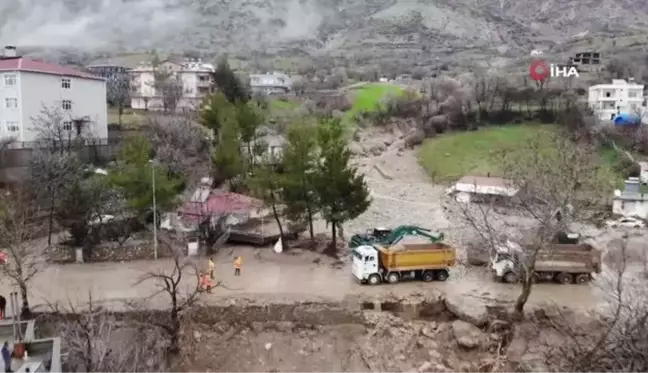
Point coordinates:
[[389, 237]]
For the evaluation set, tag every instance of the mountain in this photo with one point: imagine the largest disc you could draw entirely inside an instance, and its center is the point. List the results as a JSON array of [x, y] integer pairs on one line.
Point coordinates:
[[364, 30]]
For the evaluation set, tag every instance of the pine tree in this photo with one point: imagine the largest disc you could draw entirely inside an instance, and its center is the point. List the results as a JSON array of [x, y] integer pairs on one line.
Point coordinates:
[[341, 191], [229, 84], [299, 164]]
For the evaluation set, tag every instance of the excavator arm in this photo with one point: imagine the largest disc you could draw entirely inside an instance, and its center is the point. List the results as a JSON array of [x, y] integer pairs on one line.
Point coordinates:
[[411, 230]]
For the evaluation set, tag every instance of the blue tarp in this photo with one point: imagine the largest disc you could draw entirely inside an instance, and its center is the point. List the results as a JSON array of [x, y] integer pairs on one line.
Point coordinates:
[[625, 119]]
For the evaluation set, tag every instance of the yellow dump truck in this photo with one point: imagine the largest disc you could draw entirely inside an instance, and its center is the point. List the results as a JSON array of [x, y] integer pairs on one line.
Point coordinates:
[[424, 261], [562, 263]]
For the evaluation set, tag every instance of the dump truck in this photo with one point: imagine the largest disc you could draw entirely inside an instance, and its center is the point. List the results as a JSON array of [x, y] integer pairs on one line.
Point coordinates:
[[389, 237], [374, 264], [562, 263]]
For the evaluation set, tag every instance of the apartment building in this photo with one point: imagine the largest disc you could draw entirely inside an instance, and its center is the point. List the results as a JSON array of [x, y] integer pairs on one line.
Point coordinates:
[[27, 87], [193, 77], [619, 97], [270, 83]]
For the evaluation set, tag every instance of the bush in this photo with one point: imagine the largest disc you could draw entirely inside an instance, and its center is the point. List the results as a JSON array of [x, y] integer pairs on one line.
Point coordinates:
[[626, 166]]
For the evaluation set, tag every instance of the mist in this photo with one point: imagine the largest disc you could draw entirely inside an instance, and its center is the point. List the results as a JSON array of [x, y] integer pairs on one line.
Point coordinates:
[[144, 24]]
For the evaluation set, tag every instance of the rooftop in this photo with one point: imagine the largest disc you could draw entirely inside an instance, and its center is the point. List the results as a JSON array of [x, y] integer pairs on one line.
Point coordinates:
[[485, 185], [218, 203], [23, 64]]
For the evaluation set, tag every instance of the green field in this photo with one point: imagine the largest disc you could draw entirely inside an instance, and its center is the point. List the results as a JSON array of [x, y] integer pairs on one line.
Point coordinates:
[[449, 157], [366, 98]]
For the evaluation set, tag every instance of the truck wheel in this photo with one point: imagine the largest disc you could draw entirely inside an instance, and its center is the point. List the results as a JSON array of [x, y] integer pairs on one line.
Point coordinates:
[[374, 280], [564, 278], [442, 275], [393, 278], [428, 276], [510, 278], [583, 278]]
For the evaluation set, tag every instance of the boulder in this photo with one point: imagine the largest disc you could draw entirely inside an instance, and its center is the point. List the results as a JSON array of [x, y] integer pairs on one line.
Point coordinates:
[[468, 309], [468, 335]]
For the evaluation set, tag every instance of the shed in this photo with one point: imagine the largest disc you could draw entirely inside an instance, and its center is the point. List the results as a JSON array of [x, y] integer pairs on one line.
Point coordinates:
[[471, 188]]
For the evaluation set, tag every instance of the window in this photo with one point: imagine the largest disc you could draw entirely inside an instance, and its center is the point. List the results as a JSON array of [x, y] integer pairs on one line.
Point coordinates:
[[66, 83], [11, 103], [67, 105], [10, 79], [632, 94], [12, 127], [67, 125]]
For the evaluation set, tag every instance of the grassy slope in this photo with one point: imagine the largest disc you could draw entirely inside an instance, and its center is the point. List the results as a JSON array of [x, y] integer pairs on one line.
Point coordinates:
[[451, 156], [366, 98]]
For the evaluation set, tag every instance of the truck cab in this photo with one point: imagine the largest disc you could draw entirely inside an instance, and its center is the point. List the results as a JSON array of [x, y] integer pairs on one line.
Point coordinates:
[[366, 267]]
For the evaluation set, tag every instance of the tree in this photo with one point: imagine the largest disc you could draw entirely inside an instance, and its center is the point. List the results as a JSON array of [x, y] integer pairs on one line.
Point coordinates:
[[249, 118], [229, 84], [59, 131], [50, 172], [227, 159], [300, 163], [169, 87], [267, 185], [559, 181], [180, 297], [341, 191], [181, 146], [95, 342], [214, 111], [133, 175], [18, 221], [118, 93]]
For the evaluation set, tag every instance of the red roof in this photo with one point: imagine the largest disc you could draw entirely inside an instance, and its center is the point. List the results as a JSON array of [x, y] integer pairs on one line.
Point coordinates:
[[218, 203], [33, 66]]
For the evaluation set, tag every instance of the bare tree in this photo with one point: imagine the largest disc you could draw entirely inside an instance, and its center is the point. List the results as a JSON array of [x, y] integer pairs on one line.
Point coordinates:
[[558, 181], [169, 87], [96, 341], [180, 284], [58, 130], [50, 172], [16, 232], [616, 340], [181, 145], [118, 93]]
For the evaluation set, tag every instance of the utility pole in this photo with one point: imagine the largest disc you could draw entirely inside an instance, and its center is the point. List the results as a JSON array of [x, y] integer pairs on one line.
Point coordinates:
[[155, 240]]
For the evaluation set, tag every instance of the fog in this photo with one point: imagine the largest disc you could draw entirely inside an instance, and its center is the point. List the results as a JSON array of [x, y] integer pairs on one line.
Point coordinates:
[[138, 24]]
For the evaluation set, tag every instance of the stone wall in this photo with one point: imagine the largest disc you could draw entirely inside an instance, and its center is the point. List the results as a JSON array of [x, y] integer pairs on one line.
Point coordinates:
[[108, 252]]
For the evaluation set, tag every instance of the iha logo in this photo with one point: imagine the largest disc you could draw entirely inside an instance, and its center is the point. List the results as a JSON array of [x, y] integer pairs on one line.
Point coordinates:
[[541, 70]]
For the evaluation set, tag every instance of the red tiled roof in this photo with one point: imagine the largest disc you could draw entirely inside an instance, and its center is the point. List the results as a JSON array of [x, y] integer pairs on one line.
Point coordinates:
[[218, 203], [27, 65]]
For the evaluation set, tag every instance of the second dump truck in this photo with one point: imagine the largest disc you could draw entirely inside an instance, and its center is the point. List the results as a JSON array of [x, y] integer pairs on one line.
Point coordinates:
[[374, 264], [562, 263]]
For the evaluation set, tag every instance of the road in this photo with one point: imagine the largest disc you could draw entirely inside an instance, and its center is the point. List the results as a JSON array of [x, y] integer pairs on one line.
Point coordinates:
[[267, 276]]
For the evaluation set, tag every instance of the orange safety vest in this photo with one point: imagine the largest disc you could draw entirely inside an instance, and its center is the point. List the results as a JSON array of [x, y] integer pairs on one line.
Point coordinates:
[[238, 262]]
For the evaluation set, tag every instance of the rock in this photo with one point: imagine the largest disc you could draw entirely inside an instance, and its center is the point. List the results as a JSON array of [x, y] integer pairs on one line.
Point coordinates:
[[468, 309], [435, 355], [197, 335], [415, 138], [268, 346], [427, 331], [467, 335], [377, 149], [425, 367]]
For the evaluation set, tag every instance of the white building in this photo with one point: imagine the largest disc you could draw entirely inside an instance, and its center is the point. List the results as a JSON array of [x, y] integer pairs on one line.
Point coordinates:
[[27, 87], [630, 201], [479, 188], [610, 100], [193, 77], [270, 83]]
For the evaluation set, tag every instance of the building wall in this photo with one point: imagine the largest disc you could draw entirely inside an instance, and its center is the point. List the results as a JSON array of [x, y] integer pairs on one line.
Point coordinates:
[[145, 96], [630, 208], [10, 116], [610, 99]]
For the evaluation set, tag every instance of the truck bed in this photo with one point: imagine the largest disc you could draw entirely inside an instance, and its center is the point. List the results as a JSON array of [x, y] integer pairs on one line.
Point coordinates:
[[575, 258], [417, 256]]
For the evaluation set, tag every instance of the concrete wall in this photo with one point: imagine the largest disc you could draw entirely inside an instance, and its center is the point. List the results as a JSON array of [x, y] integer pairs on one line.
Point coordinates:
[[630, 208], [14, 163]]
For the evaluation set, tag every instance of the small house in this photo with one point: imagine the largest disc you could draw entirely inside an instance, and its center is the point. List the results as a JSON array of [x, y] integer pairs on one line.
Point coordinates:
[[482, 188], [630, 201]]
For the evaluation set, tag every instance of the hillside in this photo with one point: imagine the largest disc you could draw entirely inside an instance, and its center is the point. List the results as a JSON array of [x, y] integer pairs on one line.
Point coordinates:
[[363, 30]]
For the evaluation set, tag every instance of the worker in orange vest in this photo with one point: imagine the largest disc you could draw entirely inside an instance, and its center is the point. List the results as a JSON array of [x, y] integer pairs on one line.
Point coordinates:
[[205, 282], [237, 265], [212, 267]]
